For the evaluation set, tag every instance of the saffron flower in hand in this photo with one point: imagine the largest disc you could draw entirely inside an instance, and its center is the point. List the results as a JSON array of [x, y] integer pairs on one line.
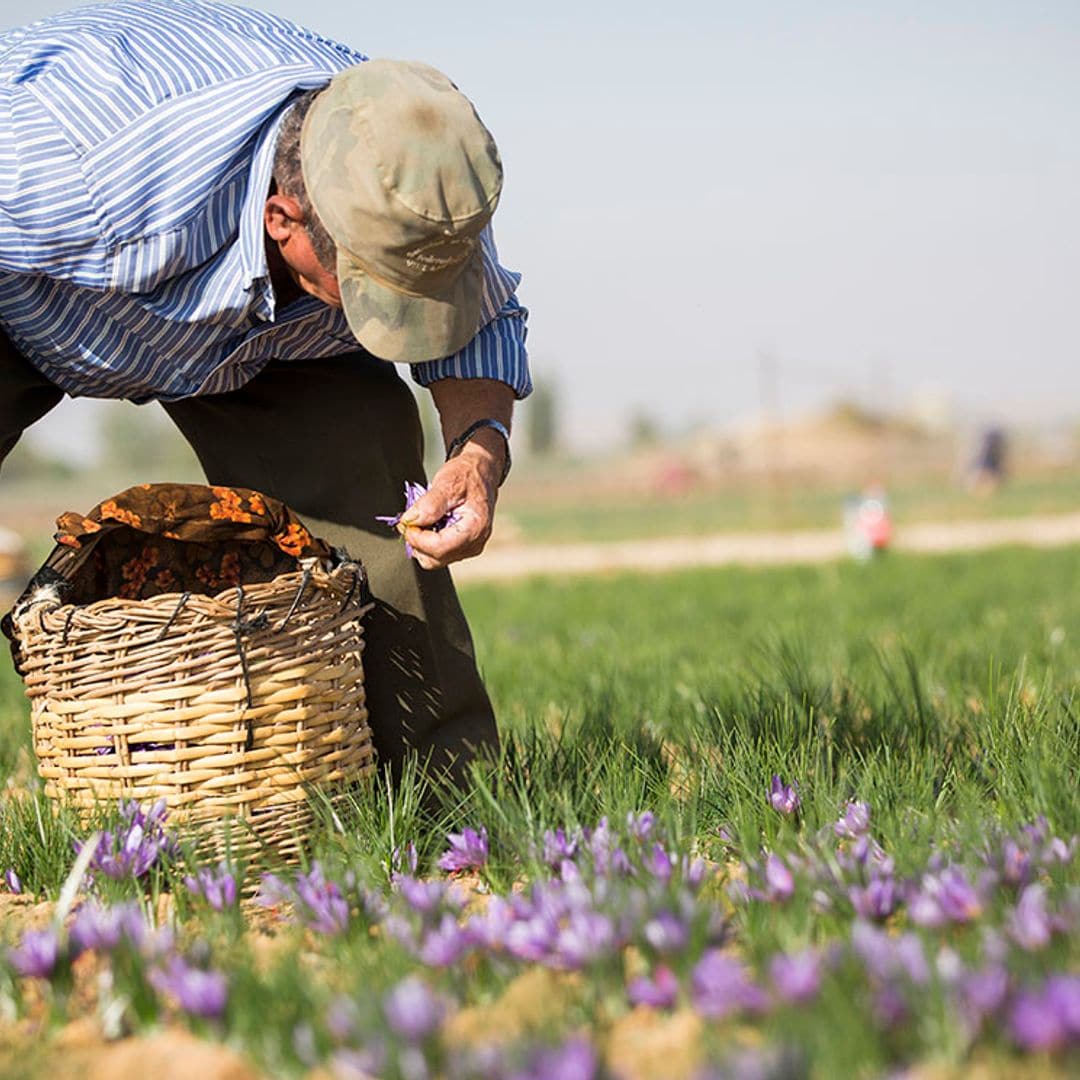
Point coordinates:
[[413, 492]]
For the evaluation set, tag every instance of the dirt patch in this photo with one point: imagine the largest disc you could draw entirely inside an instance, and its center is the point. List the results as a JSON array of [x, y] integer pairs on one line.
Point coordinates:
[[78, 1049], [645, 1044], [168, 1055], [19, 913], [532, 1002]]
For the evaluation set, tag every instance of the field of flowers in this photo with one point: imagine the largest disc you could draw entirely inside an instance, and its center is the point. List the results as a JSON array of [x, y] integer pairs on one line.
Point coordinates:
[[780, 823]]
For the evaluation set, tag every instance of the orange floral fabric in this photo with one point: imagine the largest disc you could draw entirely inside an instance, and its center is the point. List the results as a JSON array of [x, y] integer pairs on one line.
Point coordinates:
[[158, 538]]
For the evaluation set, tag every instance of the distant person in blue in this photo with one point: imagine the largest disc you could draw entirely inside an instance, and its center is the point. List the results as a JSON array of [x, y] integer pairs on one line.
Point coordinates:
[[987, 470], [216, 209]]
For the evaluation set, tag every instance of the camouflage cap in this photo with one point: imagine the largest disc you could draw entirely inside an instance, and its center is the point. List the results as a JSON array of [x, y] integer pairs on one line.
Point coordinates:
[[405, 177]]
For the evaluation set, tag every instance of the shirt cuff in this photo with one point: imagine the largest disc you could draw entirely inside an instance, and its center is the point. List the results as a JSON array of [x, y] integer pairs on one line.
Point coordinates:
[[497, 352]]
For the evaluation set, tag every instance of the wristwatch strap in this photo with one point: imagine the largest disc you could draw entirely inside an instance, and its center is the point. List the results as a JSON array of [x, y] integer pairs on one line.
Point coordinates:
[[487, 422]]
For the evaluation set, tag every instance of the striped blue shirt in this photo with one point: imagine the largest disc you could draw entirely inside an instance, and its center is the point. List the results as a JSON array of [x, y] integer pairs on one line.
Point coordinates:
[[136, 151]]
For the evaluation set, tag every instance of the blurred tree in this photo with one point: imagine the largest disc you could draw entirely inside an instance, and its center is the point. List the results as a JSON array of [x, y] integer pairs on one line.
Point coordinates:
[[27, 463], [542, 430], [644, 429]]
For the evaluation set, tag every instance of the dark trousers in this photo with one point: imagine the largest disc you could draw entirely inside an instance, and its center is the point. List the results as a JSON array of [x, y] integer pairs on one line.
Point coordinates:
[[335, 439]]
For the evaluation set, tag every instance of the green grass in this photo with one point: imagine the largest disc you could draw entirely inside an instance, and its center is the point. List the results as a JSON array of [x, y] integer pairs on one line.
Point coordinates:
[[954, 675], [762, 506], [940, 690]]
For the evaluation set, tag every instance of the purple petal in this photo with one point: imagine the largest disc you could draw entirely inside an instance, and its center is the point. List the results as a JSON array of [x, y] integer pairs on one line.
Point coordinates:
[[412, 1010], [36, 954]]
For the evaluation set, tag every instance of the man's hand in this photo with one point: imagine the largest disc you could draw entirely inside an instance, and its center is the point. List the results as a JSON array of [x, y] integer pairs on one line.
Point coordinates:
[[468, 484]]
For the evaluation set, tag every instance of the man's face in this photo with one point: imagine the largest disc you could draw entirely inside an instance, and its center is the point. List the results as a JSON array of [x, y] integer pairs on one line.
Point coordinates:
[[286, 228]]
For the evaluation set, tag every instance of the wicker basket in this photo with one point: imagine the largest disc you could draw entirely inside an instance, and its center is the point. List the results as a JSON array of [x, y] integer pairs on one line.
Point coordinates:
[[230, 707]]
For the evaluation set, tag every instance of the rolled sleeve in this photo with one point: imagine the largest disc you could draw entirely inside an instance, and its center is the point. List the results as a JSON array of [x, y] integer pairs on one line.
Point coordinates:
[[497, 352]]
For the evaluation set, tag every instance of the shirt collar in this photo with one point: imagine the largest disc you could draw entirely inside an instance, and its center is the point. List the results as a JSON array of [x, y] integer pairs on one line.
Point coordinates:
[[252, 230]]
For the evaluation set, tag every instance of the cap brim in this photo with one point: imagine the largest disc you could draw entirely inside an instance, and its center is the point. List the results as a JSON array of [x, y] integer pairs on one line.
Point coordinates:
[[396, 326]]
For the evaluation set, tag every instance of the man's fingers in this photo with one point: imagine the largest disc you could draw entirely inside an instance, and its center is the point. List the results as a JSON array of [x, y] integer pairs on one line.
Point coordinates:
[[459, 540], [429, 509]]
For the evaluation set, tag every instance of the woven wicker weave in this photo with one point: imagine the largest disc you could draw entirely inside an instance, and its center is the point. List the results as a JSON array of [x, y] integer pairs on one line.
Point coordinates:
[[230, 707]]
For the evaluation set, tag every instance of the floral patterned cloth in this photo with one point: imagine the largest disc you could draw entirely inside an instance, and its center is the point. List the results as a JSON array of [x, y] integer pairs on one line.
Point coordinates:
[[160, 538]]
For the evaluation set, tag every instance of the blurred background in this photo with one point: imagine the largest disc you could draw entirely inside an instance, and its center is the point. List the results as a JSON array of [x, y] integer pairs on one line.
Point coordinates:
[[777, 255]]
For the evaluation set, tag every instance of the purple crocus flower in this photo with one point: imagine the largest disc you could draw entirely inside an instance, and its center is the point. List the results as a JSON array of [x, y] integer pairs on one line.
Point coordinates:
[[559, 847], [876, 900], [855, 820], [412, 1010], [468, 851], [342, 1019], [317, 902], [137, 845], [1036, 832], [796, 977], [320, 903], [363, 1064], [1062, 994], [1058, 851], [694, 872], [661, 991], [216, 886], [983, 992], [640, 825], [574, 1060], [199, 993], [720, 986], [530, 939], [11, 879], [659, 863], [424, 897], [444, 945], [36, 954], [783, 798], [779, 883], [608, 857], [586, 936], [866, 854], [885, 957], [1035, 1024], [401, 929], [666, 933], [1016, 863], [946, 897], [404, 860], [890, 1006], [488, 929], [273, 891], [1029, 923], [413, 493], [103, 928]]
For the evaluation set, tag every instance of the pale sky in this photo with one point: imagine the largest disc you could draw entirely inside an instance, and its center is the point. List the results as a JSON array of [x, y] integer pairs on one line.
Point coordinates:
[[878, 195]]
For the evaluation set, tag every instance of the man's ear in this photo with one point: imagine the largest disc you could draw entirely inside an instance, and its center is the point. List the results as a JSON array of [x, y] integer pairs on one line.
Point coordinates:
[[282, 215]]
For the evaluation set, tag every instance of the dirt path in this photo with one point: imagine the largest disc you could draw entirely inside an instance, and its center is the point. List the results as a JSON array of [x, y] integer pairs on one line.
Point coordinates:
[[758, 549]]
